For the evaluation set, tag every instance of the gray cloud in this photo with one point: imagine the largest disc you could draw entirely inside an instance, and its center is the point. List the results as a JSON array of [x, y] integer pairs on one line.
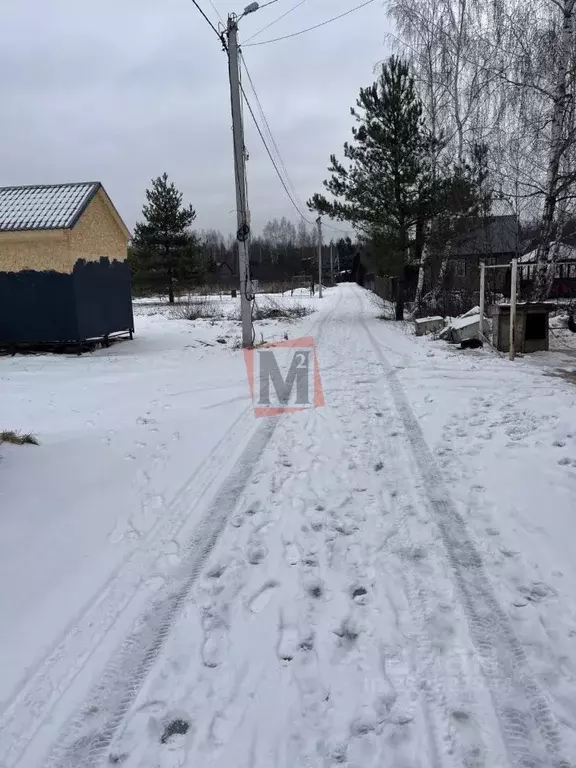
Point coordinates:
[[120, 92]]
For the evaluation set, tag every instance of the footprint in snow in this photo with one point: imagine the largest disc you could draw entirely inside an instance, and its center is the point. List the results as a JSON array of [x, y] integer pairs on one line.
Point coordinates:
[[155, 583], [263, 597], [216, 571], [288, 643], [256, 553], [537, 592], [215, 636], [307, 643], [348, 632], [315, 588], [359, 595], [292, 553], [143, 476], [117, 758]]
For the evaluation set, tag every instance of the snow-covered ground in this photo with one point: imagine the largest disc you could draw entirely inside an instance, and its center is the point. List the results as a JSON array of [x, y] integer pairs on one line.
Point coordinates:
[[385, 581]]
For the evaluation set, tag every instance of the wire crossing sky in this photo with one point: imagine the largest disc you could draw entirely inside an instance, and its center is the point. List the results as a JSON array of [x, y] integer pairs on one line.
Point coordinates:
[[84, 101]]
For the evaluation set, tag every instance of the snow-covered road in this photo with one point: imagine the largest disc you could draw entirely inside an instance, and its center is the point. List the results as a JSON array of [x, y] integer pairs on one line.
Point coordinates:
[[385, 581]]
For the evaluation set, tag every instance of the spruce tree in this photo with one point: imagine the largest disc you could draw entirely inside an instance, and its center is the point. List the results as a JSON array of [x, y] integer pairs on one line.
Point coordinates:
[[164, 251], [380, 189]]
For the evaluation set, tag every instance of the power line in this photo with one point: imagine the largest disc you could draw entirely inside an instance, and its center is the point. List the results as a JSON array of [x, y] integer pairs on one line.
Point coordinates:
[[336, 229], [317, 26], [272, 139], [270, 153], [290, 195], [294, 7], [287, 182], [217, 11], [207, 20]]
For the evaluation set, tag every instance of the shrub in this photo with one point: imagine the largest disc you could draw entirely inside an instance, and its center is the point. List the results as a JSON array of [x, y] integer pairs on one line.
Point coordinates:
[[274, 310], [196, 308], [17, 438]]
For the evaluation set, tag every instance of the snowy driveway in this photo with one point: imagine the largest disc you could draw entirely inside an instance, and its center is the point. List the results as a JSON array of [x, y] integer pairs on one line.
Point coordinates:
[[387, 581]]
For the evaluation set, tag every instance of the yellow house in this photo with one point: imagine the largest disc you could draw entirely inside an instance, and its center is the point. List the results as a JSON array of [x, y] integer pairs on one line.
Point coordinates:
[[64, 274]]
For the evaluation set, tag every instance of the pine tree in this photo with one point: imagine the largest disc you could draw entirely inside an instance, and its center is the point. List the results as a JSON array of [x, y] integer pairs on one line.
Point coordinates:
[[380, 191], [164, 251]]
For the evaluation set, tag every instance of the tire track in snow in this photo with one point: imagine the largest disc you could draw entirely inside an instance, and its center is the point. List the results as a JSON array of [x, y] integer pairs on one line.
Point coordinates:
[[54, 673], [240, 589], [89, 733], [530, 734], [366, 715], [87, 737], [406, 685]]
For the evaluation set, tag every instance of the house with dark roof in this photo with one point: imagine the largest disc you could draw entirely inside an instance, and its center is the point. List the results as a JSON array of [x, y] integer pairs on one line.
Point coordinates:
[[491, 239], [64, 274]]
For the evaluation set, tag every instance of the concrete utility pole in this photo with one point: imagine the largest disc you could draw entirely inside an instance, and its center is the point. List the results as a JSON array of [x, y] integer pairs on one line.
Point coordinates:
[[243, 231], [319, 223]]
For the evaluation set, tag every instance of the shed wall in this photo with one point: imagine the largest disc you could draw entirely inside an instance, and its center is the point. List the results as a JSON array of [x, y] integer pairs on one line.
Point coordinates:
[[37, 307], [41, 250], [103, 297], [97, 235]]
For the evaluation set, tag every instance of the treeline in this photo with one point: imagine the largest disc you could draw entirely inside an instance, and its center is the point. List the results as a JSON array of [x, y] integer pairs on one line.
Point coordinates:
[[169, 257]]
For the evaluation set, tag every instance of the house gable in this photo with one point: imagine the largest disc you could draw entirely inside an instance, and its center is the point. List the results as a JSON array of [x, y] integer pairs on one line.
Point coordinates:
[[50, 228], [99, 232]]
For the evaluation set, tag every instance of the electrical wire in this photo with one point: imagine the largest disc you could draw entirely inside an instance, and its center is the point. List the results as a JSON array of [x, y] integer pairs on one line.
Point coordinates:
[[336, 229], [294, 7], [316, 26], [268, 130], [267, 148], [212, 3], [286, 181], [243, 192], [208, 20]]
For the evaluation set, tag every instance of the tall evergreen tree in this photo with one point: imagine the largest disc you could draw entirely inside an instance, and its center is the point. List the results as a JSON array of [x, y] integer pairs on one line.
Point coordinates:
[[380, 191], [164, 250]]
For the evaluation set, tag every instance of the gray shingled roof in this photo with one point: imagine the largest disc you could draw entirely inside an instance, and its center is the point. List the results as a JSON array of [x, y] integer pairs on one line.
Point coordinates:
[[491, 235], [54, 206]]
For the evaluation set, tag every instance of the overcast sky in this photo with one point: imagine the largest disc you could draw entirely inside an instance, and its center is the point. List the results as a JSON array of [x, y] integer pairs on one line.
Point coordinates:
[[121, 91]]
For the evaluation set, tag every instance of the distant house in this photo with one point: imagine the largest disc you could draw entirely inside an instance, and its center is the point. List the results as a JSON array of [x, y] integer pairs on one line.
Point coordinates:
[[492, 240], [564, 285], [64, 275]]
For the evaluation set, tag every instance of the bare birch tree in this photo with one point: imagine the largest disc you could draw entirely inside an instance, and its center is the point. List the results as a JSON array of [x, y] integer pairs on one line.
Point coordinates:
[[440, 38]]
